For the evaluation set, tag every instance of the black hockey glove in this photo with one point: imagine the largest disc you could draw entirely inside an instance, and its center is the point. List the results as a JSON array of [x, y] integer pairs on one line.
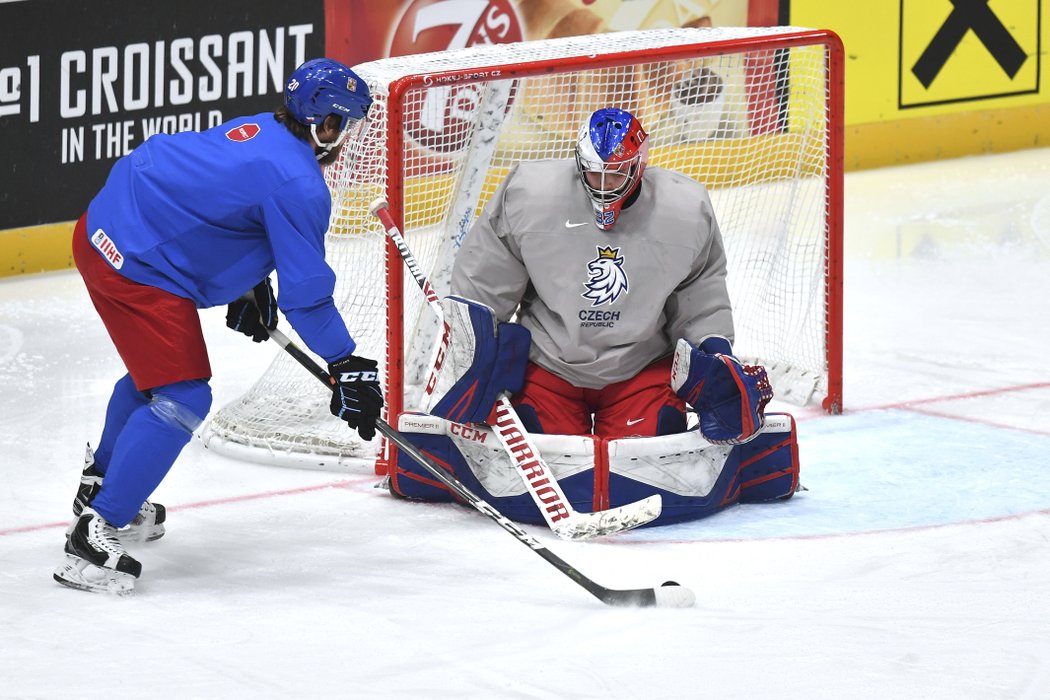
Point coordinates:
[[357, 397], [256, 315]]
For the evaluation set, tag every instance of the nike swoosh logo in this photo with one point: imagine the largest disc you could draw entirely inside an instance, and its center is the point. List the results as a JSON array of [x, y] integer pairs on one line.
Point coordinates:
[[636, 420], [569, 224]]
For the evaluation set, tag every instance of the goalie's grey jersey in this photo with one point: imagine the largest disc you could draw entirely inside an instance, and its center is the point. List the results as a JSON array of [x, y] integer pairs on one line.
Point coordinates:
[[601, 305]]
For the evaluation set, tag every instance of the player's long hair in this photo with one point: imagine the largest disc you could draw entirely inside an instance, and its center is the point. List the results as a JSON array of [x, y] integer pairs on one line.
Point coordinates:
[[301, 131], [298, 129]]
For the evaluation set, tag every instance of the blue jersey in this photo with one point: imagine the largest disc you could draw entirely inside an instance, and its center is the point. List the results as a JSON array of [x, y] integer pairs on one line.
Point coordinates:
[[208, 215]]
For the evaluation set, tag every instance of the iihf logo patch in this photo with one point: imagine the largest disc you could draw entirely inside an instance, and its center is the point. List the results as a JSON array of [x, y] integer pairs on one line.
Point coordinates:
[[108, 248], [607, 278]]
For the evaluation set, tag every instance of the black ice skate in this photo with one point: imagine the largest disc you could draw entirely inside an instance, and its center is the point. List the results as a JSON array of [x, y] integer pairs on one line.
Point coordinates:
[[147, 526], [96, 560]]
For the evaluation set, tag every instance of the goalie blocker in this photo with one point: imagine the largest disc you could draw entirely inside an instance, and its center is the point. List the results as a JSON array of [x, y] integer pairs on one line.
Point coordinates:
[[694, 477]]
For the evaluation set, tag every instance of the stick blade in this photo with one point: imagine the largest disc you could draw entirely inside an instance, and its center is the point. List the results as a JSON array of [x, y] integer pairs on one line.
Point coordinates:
[[585, 526]]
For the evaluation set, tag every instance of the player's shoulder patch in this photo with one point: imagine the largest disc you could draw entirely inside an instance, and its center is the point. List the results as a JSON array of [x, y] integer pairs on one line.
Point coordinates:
[[244, 132]]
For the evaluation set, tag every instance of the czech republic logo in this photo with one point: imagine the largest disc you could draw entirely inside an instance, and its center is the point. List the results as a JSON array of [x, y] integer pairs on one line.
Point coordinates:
[[607, 277]]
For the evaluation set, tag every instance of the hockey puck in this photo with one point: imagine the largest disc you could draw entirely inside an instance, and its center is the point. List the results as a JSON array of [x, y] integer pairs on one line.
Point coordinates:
[[672, 595]]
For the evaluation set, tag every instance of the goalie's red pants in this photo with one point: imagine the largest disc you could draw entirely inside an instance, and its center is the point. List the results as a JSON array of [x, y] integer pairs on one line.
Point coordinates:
[[641, 406], [158, 335]]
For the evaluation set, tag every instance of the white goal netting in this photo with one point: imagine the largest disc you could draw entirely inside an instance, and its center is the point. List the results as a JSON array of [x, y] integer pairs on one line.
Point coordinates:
[[746, 111]]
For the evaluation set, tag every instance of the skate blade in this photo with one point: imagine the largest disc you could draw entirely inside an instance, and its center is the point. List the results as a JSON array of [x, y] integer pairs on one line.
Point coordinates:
[[82, 575], [133, 534]]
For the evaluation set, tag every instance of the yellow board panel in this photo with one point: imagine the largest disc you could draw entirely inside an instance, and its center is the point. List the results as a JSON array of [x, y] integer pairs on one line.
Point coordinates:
[[965, 51], [884, 40], [36, 248], [937, 137]]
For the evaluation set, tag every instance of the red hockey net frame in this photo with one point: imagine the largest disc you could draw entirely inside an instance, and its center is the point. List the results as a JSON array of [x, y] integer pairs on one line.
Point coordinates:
[[834, 72]]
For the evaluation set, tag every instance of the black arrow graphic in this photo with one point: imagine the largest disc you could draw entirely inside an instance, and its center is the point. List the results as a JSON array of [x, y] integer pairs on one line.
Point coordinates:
[[967, 15]]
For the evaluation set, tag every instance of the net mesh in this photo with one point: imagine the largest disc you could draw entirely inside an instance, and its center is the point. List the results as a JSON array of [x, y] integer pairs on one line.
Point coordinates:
[[748, 121]]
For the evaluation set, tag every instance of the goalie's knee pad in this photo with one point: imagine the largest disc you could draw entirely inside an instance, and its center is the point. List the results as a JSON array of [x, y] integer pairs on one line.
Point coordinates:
[[182, 405]]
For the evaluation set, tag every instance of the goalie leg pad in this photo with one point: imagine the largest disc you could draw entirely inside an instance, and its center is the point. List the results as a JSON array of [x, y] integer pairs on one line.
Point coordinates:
[[478, 359], [473, 455], [769, 463], [695, 478], [409, 480]]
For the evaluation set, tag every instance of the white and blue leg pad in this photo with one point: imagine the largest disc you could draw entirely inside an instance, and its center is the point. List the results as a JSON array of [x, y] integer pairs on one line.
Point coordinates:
[[693, 477]]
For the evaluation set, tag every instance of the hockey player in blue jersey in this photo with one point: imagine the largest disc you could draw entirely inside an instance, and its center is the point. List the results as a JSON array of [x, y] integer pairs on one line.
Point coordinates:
[[196, 220]]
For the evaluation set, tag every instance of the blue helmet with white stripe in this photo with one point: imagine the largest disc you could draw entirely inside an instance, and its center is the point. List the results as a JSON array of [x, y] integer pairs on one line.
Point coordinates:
[[611, 153]]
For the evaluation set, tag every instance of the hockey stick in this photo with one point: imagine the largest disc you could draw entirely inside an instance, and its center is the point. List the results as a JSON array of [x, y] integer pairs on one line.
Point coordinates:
[[562, 518], [667, 595]]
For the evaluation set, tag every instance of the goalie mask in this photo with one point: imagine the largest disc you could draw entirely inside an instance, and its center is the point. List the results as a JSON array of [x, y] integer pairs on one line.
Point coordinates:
[[611, 154], [321, 87]]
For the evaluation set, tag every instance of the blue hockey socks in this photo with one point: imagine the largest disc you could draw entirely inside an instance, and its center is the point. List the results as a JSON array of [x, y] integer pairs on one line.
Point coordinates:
[[148, 444]]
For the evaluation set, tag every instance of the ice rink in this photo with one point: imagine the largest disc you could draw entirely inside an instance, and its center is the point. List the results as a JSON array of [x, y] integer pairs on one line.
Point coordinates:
[[917, 564]]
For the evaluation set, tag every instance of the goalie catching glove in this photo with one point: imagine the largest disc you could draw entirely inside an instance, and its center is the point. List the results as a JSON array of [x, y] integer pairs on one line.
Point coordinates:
[[357, 397], [729, 397], [254, 313]]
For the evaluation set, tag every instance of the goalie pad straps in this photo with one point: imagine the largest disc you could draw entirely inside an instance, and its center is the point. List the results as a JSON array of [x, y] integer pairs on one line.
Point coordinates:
[[477, 360], [729, 397]]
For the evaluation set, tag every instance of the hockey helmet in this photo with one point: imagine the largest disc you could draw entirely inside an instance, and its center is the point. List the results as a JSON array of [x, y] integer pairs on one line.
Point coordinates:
[[321, 87], [611, 153]]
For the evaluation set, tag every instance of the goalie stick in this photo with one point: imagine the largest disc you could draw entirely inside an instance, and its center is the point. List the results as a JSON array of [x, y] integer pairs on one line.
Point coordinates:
[[562, 518], [667, 595]]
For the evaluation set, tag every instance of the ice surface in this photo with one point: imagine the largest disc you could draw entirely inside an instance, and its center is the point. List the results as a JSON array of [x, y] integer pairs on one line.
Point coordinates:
[[916, 565]]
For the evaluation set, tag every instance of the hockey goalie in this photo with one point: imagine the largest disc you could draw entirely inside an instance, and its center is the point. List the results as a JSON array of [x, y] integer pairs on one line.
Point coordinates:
[[623, 324], [696, 472]]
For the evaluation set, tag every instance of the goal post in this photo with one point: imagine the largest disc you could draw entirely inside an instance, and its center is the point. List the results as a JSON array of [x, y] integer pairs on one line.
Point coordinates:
[[754, 113]]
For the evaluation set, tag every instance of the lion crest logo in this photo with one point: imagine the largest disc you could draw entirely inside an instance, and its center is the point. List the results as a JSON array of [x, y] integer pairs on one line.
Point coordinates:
[[607, 277]]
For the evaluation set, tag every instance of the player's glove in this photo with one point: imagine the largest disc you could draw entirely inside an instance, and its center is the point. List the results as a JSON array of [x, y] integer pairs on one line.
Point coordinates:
[[255, 313], [729, 397], [357, 397]]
